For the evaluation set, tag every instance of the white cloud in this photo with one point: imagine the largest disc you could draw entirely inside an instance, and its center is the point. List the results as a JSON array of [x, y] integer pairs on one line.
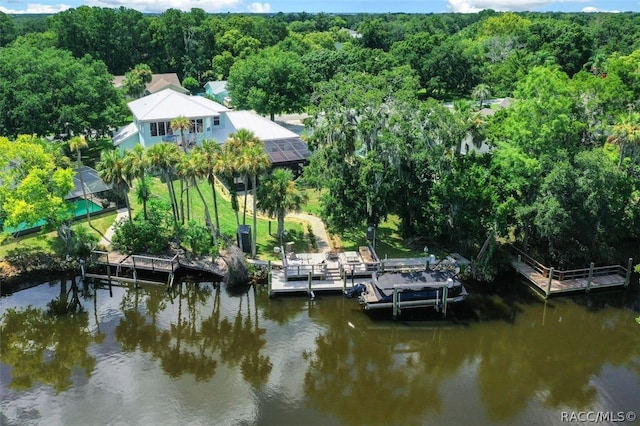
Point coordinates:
[[159, 6], [259, 8], [474, 6], [590, 9], [38, 8]]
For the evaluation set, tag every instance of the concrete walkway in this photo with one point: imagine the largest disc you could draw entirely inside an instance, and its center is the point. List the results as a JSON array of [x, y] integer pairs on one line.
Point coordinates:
[[323, 243], [106, 238], [319, 230]]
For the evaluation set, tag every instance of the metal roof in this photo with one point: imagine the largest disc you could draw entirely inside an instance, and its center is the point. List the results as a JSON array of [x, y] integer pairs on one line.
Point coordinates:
[[92, 183], [169, 104]]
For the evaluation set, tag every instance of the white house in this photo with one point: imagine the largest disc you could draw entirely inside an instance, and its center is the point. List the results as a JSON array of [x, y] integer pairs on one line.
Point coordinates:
[[153, 114]]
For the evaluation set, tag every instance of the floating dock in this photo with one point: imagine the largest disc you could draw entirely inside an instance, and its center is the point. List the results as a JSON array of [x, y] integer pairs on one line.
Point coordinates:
[[549, 281]]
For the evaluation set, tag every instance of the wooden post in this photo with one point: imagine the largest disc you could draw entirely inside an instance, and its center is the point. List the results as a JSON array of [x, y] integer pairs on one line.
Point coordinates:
[[109, 272], [445, 294], [590, 277], [396, 302], [82, 271], [627, 279], [135, 272], [309, 283], [344, 280], [269, 277], [518, 264], [550, 279]]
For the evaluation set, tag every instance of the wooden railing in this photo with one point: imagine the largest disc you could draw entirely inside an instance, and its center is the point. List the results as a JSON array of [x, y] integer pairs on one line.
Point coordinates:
[[137, 261], [569, 274]]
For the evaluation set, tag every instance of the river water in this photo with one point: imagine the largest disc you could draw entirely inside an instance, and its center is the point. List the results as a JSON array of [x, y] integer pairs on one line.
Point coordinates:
[[199, 355]]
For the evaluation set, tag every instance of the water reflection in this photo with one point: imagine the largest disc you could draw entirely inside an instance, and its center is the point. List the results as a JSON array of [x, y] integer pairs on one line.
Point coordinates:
[[47, 345], [495, 359]]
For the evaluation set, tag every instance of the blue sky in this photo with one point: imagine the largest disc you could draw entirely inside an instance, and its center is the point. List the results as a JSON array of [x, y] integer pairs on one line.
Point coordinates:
[[337, 6]]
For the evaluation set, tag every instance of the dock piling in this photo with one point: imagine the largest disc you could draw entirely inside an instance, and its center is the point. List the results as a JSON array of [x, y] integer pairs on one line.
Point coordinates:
[[445, 294], [590, 277], [550, 280], [627, 278], [310, 278], [396, 303]]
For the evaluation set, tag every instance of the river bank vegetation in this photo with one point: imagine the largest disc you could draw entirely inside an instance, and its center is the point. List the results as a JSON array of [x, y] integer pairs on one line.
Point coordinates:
[[556, 170]]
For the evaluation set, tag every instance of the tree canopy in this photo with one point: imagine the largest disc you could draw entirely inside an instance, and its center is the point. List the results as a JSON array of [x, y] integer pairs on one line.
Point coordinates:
[[47, 91]]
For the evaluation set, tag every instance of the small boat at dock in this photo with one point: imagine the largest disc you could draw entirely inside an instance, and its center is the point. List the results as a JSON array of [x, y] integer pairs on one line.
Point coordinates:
[[414, 289]]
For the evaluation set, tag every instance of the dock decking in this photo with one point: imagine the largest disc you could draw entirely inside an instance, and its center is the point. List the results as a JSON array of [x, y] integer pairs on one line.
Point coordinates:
[[550, 282], [116, 263]]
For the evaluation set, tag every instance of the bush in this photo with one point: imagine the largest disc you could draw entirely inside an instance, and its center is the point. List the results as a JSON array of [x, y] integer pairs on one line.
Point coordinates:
[[145, 236], [82, 242]]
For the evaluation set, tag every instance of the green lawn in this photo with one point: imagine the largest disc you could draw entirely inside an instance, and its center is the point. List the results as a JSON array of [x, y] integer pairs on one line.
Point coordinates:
[[49, 242], [388, 242], [228, 225]]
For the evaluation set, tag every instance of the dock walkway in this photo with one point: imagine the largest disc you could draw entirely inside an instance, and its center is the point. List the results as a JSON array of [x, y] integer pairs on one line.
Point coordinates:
[[116, 263], [552, 282]]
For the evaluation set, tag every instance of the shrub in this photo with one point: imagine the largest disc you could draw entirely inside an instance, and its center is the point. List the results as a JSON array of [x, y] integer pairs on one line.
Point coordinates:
[[145, 236]]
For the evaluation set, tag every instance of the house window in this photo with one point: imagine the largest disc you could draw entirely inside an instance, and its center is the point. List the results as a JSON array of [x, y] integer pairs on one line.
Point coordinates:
[[160, 128], [196, 126], [216, 120]]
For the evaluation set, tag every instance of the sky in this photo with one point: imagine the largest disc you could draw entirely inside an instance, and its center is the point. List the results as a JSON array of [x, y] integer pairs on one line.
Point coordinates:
[[329, 6]]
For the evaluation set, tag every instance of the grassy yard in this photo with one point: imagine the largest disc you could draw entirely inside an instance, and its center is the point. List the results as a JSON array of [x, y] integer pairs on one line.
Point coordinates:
[[266, 240], [49, 242], [388, 241]]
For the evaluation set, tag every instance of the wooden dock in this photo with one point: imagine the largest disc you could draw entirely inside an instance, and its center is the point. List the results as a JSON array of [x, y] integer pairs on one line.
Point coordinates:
[[336, 271], [116, 263], [550, 282]]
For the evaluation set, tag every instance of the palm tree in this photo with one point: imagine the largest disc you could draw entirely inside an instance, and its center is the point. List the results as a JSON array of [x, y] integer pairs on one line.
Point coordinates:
[[626, 134], [77, 143], [137, 162], [112, 169], [240, 144], [211, 153], [481, 92], [257, 162], [279, 194], [191, 167], [181, 124], [163, 158]]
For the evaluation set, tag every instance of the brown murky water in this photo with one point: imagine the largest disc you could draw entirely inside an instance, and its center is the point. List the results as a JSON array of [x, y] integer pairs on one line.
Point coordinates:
[[198, 355]]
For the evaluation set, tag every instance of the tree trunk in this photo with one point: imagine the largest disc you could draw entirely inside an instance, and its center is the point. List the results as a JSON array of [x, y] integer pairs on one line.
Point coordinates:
[[145, 194], [254, 248], [172, 198], [207, 216], [84, 193], [244, 210], [212, 181]]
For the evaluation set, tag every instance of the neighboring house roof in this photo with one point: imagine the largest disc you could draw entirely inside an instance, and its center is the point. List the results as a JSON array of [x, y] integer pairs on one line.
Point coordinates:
[[92, 183], [169, 104], [351, 32], [216, 87], [158, 82]]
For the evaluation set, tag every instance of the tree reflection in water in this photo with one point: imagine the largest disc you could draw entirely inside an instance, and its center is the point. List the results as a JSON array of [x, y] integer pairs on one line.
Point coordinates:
[[393, 373], [47, 346], [195, 342]]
